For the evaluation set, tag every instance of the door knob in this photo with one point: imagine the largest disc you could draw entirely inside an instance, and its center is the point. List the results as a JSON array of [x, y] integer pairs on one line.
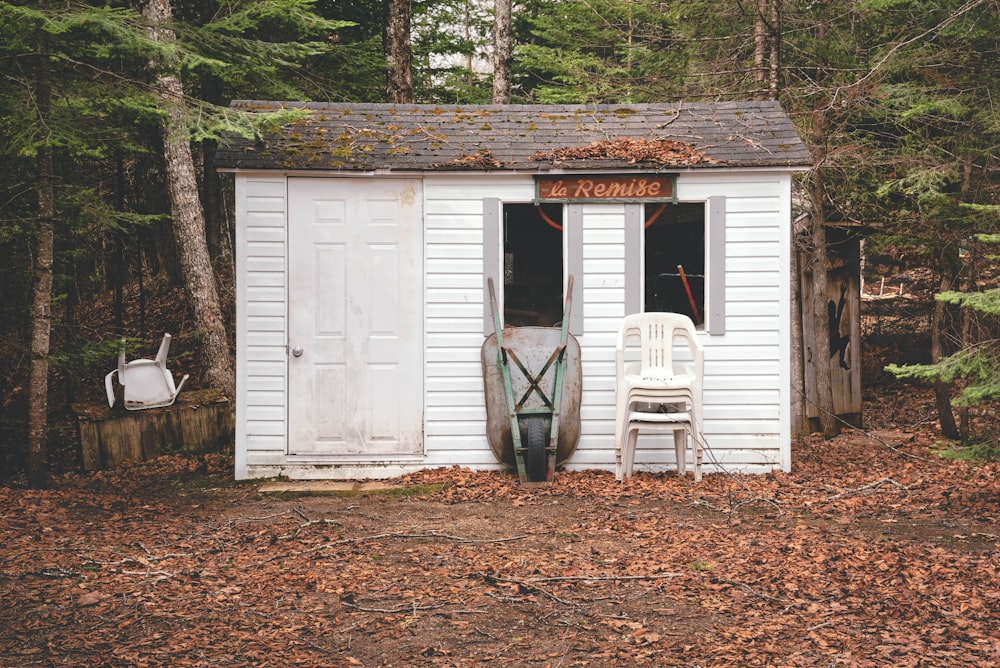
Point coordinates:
[[297, 351]]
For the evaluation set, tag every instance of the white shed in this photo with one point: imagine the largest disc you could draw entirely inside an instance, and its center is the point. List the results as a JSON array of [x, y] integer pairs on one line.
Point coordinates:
[[366, 233]]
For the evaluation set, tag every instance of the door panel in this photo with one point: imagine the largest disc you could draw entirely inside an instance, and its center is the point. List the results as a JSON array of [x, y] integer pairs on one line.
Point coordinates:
[[355, 309]]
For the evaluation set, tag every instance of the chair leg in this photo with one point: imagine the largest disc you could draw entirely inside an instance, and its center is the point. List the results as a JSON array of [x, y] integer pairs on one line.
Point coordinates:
[[619, 433], [628, 451], [680, 450], [696, 445], [627, 454], [161, 354], [696, 449]]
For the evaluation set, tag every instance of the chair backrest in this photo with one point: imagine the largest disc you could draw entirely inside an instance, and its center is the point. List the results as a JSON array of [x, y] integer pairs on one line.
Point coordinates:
[[657, 333]]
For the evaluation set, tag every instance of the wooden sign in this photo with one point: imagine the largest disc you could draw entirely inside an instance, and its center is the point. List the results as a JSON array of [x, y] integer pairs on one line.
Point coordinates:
[[606, 187]]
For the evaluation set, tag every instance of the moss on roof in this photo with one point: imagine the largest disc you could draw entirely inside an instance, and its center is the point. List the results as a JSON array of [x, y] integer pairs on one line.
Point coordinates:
[[535, 138]]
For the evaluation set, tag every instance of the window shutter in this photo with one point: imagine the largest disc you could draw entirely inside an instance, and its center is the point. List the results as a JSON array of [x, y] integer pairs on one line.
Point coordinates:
[[573, 238], [492, 266], [717, 265], [634, 231]]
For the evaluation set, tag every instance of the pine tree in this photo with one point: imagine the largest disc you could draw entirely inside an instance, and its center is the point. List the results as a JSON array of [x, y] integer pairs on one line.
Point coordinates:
[[54, 126], [41, 316], [597, 51], [451, 51], [937, 137], [186, 209], [974, 369]]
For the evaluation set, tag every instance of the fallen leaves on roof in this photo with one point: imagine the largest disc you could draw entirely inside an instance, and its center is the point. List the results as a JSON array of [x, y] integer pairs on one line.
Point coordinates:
[[481, 160], [665, 152]]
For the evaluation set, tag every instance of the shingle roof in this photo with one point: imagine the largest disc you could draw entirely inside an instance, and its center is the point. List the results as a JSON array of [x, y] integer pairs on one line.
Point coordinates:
[[412, 137]]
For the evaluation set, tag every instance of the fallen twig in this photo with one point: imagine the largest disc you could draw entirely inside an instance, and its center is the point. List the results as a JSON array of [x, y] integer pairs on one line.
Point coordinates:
[[160, 575], [362, 539], [458, 539], [525, 584], [398, 608], [818, 626], [750, 590], [605, 578], [865, 488]]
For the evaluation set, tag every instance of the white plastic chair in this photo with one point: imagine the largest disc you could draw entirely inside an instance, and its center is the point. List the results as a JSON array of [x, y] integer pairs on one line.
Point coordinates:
[[679, 424], [147, 383], [659, 392]]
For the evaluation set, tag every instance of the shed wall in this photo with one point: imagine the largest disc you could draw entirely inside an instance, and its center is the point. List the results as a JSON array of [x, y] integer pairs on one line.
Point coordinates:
[[746, 385], [261, 326]]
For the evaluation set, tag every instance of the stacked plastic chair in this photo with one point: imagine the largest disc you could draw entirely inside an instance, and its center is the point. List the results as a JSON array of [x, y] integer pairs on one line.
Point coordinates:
[[658, 393]]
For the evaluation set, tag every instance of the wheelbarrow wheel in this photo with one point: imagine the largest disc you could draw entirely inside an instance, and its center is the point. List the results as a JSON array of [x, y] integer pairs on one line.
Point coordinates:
[[535, 434]]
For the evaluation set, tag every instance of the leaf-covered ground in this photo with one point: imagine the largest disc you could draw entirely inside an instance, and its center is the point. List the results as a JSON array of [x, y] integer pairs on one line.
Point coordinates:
[[872, 552]]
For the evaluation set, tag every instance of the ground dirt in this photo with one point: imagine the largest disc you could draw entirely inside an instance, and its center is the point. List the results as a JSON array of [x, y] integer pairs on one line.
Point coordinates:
[[873, 551]]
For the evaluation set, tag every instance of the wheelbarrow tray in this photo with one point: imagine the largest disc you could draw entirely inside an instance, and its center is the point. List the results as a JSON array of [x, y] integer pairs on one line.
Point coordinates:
[[533, 346]]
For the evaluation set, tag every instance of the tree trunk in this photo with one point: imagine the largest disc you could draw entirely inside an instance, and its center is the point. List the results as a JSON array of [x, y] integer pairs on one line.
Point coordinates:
[[41, 312], [963, 411], [774, 71], [116, 266], [398, 52], [823, 396], [800, 416], [760, 48], [968, 164], [767, 49], [942, 395], [188, 218], [216, 225], [503, 50]]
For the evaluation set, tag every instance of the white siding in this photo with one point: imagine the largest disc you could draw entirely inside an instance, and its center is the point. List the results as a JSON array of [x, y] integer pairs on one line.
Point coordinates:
[[604, 269], [455, 412], [747, 369], [261, 385]]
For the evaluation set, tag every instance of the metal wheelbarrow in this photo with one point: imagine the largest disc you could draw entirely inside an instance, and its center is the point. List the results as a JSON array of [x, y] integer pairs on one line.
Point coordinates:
[[532, 413]]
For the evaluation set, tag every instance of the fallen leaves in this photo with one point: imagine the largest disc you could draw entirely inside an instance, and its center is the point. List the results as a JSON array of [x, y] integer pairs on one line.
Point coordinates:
[[631, 150], [482, 160], [864, 555], [90, 598]]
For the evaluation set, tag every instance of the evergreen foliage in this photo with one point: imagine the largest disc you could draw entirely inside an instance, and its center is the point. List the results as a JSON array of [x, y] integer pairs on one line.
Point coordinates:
[[452, 40], [976, 366], [95, 116], [596, 51], [938, 196]]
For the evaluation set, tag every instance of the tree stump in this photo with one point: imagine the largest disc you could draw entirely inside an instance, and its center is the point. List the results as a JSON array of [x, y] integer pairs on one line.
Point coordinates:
[[198, 422]]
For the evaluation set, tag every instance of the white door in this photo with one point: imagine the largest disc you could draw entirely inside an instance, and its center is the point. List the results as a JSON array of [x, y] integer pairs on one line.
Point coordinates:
[[355, 320]]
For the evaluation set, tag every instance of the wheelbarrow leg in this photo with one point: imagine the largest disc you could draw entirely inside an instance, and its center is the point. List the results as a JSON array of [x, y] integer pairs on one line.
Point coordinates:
[[502, 362], [557, 391]]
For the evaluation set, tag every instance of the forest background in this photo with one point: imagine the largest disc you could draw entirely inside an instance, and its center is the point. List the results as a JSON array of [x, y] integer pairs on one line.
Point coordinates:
[[115, 222]]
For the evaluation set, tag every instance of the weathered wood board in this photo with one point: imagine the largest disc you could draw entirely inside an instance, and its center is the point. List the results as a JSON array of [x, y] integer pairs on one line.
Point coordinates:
[[843, 287], [199, 421]]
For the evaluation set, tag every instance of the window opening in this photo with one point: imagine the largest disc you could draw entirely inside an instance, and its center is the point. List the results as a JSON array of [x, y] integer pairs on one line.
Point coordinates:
[[675, 260], [532, 265]]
